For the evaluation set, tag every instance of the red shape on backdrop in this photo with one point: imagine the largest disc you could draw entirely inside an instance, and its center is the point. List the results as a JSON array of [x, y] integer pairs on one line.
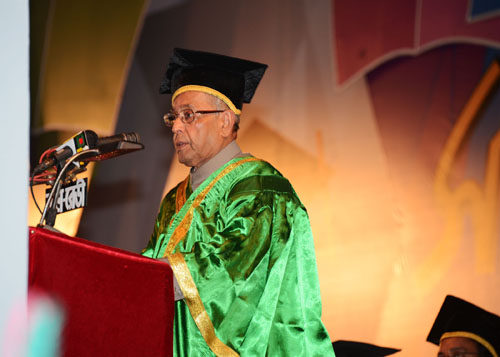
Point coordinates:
[[369, 33], [448, 19], [115, 303], [364, 31]]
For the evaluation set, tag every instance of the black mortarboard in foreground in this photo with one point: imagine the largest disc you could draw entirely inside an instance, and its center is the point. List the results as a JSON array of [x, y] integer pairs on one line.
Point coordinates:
[[459, 318], [359, 349], [233, 80]]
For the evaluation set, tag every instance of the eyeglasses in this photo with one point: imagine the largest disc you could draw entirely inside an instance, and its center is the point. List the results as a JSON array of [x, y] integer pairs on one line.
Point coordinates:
[[187, 116]]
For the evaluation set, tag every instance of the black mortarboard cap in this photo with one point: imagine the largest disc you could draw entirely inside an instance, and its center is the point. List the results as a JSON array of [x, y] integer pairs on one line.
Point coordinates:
[[344, 348], [460, 318], [236, 79]]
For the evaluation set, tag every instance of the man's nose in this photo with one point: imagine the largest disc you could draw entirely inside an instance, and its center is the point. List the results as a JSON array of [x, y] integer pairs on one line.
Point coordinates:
[[178, 125]]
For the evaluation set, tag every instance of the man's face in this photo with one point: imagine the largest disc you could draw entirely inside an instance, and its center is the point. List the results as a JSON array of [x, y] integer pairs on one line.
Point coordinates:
[[452, 346], [198, 141]]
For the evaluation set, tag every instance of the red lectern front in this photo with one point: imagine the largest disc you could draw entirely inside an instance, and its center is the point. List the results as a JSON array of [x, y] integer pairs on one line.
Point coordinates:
[[115, 303]]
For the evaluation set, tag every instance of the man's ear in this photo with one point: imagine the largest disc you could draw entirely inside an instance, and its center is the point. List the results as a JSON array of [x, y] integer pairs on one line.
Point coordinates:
[[227, 122]]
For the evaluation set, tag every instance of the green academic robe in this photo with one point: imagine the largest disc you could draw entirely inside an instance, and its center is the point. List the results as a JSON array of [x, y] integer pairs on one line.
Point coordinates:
[[242, 251]]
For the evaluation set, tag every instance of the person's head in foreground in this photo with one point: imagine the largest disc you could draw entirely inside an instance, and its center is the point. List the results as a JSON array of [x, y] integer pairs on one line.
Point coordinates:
[[208, 91], [462, 329]]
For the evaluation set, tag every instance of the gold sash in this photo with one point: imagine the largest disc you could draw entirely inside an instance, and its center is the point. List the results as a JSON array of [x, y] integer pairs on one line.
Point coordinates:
[[181, 270]]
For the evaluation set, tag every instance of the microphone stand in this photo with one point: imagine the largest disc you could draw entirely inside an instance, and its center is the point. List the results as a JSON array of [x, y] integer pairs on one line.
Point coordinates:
[[50, 210]]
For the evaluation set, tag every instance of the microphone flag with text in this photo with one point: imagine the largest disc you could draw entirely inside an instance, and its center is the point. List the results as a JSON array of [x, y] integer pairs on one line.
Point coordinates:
[[84, 140]]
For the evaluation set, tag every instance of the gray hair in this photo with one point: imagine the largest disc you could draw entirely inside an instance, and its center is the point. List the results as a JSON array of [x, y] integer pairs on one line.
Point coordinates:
[[220, 105]]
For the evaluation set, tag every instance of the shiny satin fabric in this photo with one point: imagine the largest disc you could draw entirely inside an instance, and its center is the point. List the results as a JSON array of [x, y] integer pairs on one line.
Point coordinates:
[[250, 266]]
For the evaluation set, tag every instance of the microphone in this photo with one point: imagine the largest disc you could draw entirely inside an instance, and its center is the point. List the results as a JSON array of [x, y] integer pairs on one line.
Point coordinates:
[[116, 145], [112, 140], [107, 148], [84, 140]]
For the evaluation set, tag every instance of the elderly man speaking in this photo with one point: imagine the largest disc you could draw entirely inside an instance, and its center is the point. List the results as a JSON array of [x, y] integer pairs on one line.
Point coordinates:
[[235, 233]]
